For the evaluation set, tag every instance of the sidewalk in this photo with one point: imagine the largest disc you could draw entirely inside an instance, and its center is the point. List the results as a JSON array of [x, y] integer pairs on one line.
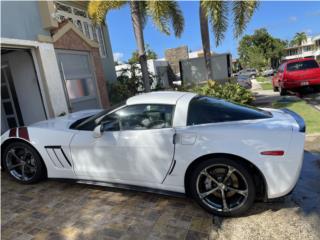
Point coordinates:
[[265, 98], [313, 99]]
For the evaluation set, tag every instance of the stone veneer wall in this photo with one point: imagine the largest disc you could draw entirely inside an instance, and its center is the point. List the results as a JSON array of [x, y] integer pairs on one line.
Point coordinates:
[[174, 55]]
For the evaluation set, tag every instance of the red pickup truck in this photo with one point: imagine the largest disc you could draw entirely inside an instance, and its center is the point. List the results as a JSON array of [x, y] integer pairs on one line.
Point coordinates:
[[295, 74]]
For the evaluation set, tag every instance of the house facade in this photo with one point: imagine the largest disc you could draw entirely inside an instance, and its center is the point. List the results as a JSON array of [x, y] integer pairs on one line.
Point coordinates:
[[309, 48], [53, 61]]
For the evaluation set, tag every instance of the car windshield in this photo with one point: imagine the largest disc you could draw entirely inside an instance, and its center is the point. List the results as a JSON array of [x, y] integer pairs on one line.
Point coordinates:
[[89, 123], [243, 77], [302, 65]]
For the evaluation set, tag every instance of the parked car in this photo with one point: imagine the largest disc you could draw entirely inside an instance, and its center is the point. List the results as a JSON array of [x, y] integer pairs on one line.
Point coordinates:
[[222, 154], [295, 74], [268, 72], [251, 72], [244, 81]]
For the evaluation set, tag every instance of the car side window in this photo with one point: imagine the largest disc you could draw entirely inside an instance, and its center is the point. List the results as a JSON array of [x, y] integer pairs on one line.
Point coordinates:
[[281, 68], [145, 116], [110, 123]]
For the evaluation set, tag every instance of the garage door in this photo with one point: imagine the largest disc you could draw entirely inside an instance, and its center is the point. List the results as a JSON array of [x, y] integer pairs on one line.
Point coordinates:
[[77, 74]]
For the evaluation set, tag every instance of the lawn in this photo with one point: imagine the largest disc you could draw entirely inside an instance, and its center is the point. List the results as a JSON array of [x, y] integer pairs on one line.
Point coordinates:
[[264, 83], [310, 115], [266, 86]]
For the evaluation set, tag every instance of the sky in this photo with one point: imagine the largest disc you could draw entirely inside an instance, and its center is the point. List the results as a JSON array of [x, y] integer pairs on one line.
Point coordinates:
[[281, 19]]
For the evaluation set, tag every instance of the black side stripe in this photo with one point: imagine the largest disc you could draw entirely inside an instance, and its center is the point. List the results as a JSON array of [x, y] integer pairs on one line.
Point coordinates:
[[57, 157], [53, 147], [173, 165], [65, 156]]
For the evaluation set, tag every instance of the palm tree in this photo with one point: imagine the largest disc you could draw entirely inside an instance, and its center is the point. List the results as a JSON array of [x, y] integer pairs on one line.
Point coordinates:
[[216, 13], [298, 39], [162, 13]]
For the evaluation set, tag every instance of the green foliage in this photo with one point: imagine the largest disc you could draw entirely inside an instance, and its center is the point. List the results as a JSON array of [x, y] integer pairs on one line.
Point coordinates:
[[162, 13], [166, 16], [230, 91], [243, 12], [257, 58], [98, 9], [261, 47], [128, 84], [298, 38], [217, 13], [135, 55]]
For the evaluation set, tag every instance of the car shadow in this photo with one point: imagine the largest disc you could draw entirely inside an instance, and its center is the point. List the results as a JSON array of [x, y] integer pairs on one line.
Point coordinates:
[[305, 193]]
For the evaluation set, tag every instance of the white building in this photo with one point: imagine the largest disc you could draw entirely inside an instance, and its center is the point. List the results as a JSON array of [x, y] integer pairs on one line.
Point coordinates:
[[199, 53], [309, 48], [157, 68]]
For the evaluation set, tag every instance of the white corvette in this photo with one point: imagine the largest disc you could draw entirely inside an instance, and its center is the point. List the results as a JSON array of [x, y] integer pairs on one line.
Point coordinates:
[[221, 154]]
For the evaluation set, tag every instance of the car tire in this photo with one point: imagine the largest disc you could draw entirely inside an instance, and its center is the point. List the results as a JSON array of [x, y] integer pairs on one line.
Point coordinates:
[[23, 163], [283, 92], [231, 193]]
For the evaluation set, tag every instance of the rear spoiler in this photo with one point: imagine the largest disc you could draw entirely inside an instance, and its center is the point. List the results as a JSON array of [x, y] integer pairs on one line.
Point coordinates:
[[297, 117]]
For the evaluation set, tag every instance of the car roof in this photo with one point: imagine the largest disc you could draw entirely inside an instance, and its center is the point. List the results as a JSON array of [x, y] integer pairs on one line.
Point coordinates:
[[158, 97], [300, 60]]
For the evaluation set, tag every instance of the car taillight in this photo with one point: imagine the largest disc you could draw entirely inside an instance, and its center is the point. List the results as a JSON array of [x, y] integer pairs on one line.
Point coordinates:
[[273, 153]]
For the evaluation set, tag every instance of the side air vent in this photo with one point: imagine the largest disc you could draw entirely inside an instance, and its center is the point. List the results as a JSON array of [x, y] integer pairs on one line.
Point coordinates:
[[58, 157]]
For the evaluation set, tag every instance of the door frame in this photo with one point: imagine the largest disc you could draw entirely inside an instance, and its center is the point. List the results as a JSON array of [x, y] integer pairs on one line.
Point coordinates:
[[31, 47], [31, 51]]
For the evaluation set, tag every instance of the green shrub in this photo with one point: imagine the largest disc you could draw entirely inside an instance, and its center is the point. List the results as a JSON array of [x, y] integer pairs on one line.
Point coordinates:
[[128, 84], [229, 91]]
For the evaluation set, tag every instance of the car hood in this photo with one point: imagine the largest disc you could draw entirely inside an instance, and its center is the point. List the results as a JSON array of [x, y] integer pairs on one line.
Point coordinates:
[[64, 122]]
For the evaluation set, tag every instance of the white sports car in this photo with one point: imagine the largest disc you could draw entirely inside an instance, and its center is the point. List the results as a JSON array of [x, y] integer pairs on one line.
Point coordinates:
[[221, 154]]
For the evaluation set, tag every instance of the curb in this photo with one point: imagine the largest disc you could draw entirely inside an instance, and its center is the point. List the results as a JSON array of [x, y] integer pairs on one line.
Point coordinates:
[[313, 135]]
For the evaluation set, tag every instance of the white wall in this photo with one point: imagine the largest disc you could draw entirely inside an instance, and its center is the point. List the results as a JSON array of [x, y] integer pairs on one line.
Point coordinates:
[[52, 78]]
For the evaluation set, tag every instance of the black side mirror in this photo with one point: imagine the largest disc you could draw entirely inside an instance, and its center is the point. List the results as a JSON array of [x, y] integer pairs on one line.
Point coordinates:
[[110, 125]]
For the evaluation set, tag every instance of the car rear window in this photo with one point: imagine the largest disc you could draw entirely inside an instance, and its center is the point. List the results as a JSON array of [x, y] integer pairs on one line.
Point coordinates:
[[302, 65], [204, 110]]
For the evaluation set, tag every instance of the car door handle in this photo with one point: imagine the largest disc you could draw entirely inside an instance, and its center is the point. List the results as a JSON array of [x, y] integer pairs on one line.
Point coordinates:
[[174, 141]]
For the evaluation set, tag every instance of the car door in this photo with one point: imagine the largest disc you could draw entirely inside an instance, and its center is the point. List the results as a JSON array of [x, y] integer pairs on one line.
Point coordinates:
[[136, 145]]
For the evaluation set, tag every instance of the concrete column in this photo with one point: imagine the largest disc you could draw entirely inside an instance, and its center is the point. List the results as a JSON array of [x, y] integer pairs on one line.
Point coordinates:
[[52, 78]]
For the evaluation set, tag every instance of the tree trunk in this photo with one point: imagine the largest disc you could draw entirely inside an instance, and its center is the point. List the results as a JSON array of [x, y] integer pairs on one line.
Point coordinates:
[[205, 41], [138, 33]]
